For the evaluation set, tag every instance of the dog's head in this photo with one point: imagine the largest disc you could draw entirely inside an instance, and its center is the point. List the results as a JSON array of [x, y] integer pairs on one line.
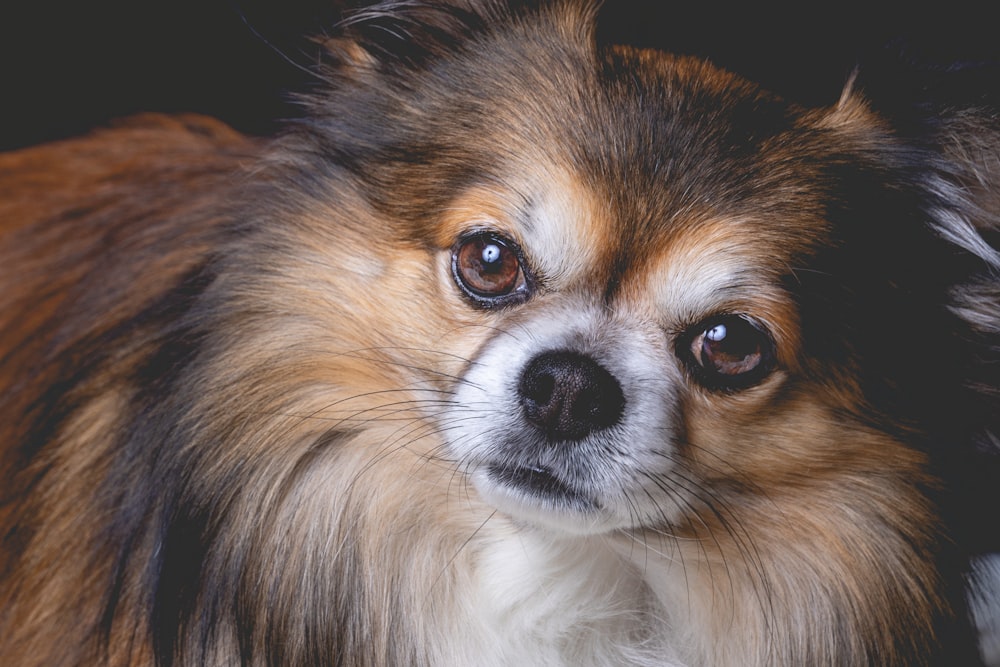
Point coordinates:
[[665, 289]]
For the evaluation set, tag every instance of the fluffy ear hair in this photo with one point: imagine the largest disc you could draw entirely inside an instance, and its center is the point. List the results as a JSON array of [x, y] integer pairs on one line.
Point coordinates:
[[950, 112], [948, 115], [408, 33], [369, 66]]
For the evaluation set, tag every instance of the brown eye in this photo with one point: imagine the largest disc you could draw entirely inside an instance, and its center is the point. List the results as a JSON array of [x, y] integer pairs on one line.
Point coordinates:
[[488, 268], [729, 352]]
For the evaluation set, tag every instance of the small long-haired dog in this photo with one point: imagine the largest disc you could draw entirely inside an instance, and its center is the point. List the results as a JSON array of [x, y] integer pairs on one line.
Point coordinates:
[[518, 350]]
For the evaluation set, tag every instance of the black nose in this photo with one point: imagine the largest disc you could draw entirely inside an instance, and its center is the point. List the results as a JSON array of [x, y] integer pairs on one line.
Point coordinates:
[[568, 395]]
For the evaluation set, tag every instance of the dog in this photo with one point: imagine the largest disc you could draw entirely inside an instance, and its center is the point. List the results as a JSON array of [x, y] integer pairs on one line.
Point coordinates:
[[516, 349]]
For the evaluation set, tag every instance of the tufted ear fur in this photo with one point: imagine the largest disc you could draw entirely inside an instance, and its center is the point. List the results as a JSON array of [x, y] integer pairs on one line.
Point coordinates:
[[400, 35], [945, 116], [408, 33]]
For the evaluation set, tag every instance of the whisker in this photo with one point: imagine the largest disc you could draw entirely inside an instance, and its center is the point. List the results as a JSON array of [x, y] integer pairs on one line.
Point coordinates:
[[742, 538]]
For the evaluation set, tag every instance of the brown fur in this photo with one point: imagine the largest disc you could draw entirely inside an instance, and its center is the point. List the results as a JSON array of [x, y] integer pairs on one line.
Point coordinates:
[[228, 367]]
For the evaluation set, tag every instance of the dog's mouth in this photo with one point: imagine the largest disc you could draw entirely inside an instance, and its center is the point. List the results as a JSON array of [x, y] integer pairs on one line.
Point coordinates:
[[540, 482]]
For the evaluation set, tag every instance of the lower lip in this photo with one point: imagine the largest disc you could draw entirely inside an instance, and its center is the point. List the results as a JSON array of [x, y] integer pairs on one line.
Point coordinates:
[[538, 482]]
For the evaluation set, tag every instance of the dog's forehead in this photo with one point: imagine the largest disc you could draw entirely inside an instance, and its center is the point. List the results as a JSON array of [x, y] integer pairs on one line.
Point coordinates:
[[645, 176], [641, 145]]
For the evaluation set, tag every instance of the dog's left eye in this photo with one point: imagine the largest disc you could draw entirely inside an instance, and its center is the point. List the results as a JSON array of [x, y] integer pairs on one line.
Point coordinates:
[[728, 352], [488, 268]]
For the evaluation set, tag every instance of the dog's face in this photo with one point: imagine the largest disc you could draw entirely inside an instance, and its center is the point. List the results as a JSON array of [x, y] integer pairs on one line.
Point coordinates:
[[621, 366], [622, 248], [649, 290]]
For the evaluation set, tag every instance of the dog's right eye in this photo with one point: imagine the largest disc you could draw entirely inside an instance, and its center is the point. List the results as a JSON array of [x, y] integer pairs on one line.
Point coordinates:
[[488, 268]]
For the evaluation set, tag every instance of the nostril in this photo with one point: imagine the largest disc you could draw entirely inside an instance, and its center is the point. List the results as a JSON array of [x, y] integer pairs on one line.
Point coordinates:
[[542, 404], [538, 387], [569, 395]]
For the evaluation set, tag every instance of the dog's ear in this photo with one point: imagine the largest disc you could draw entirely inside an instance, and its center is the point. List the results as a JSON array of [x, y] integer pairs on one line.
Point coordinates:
[[936, 129], [949, 110], [400, 34], [947, 114], [403, 34]]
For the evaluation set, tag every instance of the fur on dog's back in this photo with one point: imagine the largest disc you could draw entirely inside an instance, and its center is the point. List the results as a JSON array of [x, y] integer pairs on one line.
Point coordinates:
[[95, 234], [98, 228], [231, 370]]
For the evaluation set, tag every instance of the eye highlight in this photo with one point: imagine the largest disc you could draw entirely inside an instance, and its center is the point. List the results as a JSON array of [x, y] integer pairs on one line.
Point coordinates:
[[727, 352], [489, 269]]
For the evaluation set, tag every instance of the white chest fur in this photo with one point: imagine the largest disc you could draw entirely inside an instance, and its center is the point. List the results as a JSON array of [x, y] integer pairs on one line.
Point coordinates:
[[539, 602]]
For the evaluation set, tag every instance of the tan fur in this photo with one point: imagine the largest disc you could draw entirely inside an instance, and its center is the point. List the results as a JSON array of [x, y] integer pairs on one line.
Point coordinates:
[[244, 404]]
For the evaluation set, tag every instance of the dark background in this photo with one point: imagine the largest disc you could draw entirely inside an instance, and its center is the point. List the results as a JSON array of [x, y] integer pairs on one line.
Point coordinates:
[[67, 66]]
